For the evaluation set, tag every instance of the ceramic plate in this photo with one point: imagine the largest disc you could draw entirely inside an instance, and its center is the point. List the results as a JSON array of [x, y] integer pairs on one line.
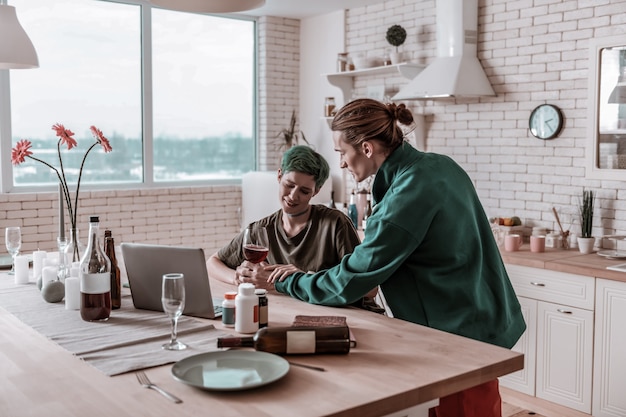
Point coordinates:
[[614, 254], [230, 370]]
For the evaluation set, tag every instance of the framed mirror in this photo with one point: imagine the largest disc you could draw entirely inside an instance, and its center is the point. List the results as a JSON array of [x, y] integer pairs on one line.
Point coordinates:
[[606, 153]]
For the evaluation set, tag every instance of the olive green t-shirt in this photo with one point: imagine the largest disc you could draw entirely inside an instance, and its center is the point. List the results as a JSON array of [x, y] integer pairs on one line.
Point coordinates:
[[327, 237]]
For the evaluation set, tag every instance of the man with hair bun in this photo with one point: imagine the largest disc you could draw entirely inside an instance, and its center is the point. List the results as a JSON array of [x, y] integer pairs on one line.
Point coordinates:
[[428, 245]]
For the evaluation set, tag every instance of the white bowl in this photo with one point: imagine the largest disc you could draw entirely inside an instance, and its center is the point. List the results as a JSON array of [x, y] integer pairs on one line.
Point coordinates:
[[362, 62]]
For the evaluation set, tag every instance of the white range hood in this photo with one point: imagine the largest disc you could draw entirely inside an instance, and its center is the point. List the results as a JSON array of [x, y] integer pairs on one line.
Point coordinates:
[[456, 72]]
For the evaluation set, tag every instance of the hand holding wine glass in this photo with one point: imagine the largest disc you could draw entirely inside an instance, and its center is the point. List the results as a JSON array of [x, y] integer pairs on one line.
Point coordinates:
[[13, 242], [173, 300], [255, 244]]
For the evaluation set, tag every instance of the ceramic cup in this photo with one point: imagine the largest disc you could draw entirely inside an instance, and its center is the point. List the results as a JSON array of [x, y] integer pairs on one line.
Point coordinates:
[[512, 243], [537, 244]]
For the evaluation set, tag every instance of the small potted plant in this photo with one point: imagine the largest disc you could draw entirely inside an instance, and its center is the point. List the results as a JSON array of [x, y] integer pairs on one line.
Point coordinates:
[[289, 135], [396, 35], [586, 240]]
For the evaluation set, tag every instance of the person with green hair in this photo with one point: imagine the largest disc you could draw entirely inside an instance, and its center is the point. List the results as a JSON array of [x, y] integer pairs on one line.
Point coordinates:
[[302, 236]]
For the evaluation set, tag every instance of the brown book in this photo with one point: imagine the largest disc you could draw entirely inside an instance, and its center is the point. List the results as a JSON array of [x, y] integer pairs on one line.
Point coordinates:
[[301, 320]]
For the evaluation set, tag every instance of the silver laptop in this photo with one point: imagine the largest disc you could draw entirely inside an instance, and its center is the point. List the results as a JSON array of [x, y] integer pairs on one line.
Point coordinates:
[[145, 266]]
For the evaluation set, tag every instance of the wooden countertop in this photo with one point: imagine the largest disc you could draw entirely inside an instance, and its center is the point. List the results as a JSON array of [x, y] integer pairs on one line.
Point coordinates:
[[571, 261], [395, 365]]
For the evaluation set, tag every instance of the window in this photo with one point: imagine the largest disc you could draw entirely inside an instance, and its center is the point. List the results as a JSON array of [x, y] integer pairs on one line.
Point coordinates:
[[183, 113]]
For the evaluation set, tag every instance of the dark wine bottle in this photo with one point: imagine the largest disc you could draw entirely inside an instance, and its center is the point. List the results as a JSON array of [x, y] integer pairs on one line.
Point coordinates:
[[294, 340], [116, 285], [95, 278]]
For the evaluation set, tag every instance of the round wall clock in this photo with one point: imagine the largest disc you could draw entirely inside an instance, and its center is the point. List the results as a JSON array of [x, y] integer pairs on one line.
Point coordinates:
[[545, 121]]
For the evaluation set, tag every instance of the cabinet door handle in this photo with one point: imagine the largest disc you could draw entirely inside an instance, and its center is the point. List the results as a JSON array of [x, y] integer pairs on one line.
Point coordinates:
[[560, 310], [537, 284]]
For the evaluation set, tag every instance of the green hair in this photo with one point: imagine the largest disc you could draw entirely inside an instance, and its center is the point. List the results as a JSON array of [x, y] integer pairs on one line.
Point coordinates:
[[303, 159]]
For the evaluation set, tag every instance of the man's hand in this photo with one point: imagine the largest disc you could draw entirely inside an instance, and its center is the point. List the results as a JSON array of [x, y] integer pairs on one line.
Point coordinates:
[[263, 275]]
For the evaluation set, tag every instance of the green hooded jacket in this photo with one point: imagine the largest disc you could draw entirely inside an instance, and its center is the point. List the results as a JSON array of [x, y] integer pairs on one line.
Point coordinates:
[[430, 248]]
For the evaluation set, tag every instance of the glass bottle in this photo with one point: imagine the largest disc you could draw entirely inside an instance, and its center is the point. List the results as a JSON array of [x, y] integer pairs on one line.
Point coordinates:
[[352, 211], [74, 251], [368, 210], [116, 285], [95, 278], [294, 340], [342, 62], [332, 200], [329, 107], [246, 309], [228, 309], [263, 306]]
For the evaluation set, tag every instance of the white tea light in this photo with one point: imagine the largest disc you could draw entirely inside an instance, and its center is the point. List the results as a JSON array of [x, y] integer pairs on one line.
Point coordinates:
[[38, 257], [72, 293], [21, 269], [49, 261], [48, 274]]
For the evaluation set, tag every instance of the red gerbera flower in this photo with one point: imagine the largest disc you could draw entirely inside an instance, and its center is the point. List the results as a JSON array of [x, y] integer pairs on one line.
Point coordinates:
[[21, 151], [66, 135], [97, 133]]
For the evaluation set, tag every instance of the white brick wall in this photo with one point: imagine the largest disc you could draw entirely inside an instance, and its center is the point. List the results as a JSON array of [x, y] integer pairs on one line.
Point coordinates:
[[205, 217], [533, 52], [279, 63]]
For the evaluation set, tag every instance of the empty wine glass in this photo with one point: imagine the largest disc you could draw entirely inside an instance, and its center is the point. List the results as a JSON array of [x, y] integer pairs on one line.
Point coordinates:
[[13, 241], [173, 300], [62, 242], [255, 244]]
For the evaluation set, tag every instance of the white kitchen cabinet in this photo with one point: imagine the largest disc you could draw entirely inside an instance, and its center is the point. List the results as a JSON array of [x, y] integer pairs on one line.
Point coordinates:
[[524, 379], [564, 355], [558, 342], [609, 379]]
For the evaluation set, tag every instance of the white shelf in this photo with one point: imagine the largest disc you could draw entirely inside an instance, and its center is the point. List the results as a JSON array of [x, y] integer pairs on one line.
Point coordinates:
[[406, 69], [345, 80]]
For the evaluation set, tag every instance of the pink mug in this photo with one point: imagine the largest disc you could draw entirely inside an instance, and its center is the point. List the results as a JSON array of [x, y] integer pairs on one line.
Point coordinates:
[[538, 244], [512, 243]]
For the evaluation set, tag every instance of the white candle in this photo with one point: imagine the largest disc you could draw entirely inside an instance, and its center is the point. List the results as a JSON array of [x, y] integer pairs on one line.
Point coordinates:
[[48, 274], [21, 269], [72, 293], [38, 257], [61, 214], [50, 261]]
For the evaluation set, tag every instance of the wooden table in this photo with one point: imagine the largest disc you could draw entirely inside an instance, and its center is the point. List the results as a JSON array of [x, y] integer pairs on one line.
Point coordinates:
[[396, 365]]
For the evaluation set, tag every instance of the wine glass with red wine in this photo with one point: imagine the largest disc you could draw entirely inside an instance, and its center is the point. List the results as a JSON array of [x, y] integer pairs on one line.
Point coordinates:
[[255, 244]]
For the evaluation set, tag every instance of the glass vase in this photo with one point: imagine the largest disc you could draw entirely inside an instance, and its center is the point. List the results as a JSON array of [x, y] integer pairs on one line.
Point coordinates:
[[73, 251]]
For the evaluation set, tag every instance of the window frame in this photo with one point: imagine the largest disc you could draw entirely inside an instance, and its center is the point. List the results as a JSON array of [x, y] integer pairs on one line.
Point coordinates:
[[6, 168]]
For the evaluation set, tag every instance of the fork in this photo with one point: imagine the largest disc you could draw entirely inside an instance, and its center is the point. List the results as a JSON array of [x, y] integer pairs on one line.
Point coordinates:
[[145, 382]]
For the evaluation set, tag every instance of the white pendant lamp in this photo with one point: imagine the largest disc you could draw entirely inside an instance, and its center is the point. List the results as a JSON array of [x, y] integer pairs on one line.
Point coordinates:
[[209, 6], [16, 49]]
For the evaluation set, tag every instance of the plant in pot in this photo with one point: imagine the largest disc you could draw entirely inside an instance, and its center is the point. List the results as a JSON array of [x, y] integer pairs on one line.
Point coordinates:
[[290, 136], [396, 35], [585, 207]]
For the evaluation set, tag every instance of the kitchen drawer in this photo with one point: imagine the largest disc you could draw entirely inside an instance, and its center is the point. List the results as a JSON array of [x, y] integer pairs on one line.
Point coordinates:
[[553, 286]]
